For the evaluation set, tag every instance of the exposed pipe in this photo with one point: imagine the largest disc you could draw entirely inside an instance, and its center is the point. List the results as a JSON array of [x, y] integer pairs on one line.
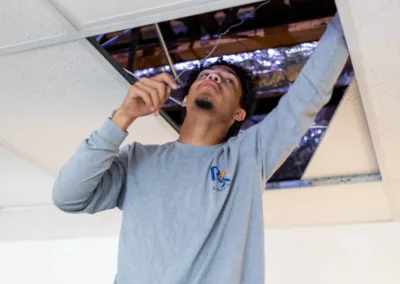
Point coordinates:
[[164, 47]]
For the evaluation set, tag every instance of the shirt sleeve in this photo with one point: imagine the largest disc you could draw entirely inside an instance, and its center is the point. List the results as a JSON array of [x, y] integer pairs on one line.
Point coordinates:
[[277, 135], [94, 178]]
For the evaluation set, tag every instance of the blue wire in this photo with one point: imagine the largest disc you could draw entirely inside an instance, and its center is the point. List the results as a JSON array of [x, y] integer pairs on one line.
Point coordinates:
[[114, 39], [99, 37]]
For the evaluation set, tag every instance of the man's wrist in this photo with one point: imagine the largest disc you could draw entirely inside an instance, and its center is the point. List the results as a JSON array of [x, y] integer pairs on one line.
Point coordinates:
[[122, 120]]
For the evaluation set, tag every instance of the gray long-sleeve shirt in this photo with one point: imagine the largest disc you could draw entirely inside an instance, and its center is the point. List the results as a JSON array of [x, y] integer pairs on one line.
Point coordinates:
[[194, 214]]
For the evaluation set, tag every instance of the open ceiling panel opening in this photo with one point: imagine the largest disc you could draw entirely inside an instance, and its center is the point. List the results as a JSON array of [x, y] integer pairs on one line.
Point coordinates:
[[274, 42]]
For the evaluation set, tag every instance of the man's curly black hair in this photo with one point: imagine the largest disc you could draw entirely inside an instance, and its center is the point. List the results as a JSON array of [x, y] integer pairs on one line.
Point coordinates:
[[247, 101]]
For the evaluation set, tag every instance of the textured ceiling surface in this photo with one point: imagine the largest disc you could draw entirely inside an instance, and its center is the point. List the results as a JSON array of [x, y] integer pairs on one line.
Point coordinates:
[[54, 97], [331, 204], [22, 182], [26, 20], [346, 148], [372, 29], [106, 12], [38, 23]]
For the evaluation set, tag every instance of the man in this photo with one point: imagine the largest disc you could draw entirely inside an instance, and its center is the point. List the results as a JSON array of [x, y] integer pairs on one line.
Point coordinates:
[[192, 209]]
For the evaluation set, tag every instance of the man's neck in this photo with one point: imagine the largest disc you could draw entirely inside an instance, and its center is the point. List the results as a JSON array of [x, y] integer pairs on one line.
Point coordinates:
[[201, 131]]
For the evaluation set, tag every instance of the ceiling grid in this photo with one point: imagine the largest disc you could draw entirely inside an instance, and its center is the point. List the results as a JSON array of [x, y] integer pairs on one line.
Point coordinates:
[[56, 88]]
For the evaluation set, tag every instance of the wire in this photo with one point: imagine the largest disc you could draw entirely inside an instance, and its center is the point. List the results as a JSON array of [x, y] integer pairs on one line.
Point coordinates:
[[114, 39], [130, 73], [99, 37], [137, 78], [242, 20], [224, 33]]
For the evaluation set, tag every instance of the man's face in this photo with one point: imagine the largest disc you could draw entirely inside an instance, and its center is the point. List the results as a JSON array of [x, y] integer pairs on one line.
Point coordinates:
[[217, 91]]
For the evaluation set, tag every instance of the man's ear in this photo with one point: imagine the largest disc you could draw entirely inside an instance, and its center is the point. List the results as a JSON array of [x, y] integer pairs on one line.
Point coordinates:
[[239, 115], [184, 101]]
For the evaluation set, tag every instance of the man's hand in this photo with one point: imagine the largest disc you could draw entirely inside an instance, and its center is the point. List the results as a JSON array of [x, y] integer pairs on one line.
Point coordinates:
[[144, 97]]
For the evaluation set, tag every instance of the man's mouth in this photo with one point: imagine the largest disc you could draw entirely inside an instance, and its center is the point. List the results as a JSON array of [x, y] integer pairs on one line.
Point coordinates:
[[210, 84]]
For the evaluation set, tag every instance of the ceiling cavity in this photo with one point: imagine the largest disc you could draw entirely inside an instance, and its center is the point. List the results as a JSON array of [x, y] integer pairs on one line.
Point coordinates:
[[274, 42]]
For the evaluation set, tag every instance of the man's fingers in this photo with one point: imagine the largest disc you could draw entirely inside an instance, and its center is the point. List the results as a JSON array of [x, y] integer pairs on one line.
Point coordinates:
[[153, 91], [167, 79], [158, 86], [139, 93], [169, 90], [157, 103]]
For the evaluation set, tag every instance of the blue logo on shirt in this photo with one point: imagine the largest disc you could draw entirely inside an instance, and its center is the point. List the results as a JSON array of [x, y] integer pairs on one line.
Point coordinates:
[[222, 181]]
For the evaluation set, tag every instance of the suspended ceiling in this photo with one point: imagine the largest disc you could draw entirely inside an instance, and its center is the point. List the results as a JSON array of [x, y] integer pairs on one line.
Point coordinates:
[[80, 19], [53, 96], [371, 29], [346, 148]]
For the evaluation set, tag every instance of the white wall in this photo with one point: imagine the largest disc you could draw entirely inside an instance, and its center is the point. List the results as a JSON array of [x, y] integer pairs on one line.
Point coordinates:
[[355, 254], [79, 261]]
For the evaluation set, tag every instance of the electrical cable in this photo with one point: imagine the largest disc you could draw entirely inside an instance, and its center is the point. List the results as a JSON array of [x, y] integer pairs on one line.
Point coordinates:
[[137, 78], [114, 39], [99, 37], [224, 33]]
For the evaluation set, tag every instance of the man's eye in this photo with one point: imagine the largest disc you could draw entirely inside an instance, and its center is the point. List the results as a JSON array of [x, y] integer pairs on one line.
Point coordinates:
[[230, 81], [203, 75]]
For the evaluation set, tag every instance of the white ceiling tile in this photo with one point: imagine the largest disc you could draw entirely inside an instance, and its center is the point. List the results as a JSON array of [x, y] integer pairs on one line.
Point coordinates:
[[26, 20], [326, 205], [346, 148], [92, 12], [22, 182], [375, 49], [54, 97], [82, 19], [372, 33]]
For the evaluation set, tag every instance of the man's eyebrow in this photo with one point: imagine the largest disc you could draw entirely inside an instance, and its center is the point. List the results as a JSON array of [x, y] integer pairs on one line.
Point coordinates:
[[233, 73], [227, 71]]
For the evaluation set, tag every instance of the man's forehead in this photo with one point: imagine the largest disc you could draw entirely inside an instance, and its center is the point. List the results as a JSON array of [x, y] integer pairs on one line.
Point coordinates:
[[224, 69]]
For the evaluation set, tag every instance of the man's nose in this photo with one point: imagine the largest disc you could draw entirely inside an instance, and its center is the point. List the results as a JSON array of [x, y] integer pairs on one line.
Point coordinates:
[[214, 77]]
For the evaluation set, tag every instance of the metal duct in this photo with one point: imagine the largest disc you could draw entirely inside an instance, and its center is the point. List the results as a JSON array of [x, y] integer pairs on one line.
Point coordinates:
[[275, 68]]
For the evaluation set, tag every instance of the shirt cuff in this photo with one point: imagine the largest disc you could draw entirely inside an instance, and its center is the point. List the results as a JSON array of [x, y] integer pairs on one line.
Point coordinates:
[[112, 133]]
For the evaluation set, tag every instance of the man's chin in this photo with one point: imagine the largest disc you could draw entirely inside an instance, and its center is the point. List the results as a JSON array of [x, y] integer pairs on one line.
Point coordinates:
[[204, 104]]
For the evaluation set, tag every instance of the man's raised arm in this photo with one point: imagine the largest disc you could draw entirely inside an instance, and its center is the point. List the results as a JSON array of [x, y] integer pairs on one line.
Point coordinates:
[[279, 133]]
